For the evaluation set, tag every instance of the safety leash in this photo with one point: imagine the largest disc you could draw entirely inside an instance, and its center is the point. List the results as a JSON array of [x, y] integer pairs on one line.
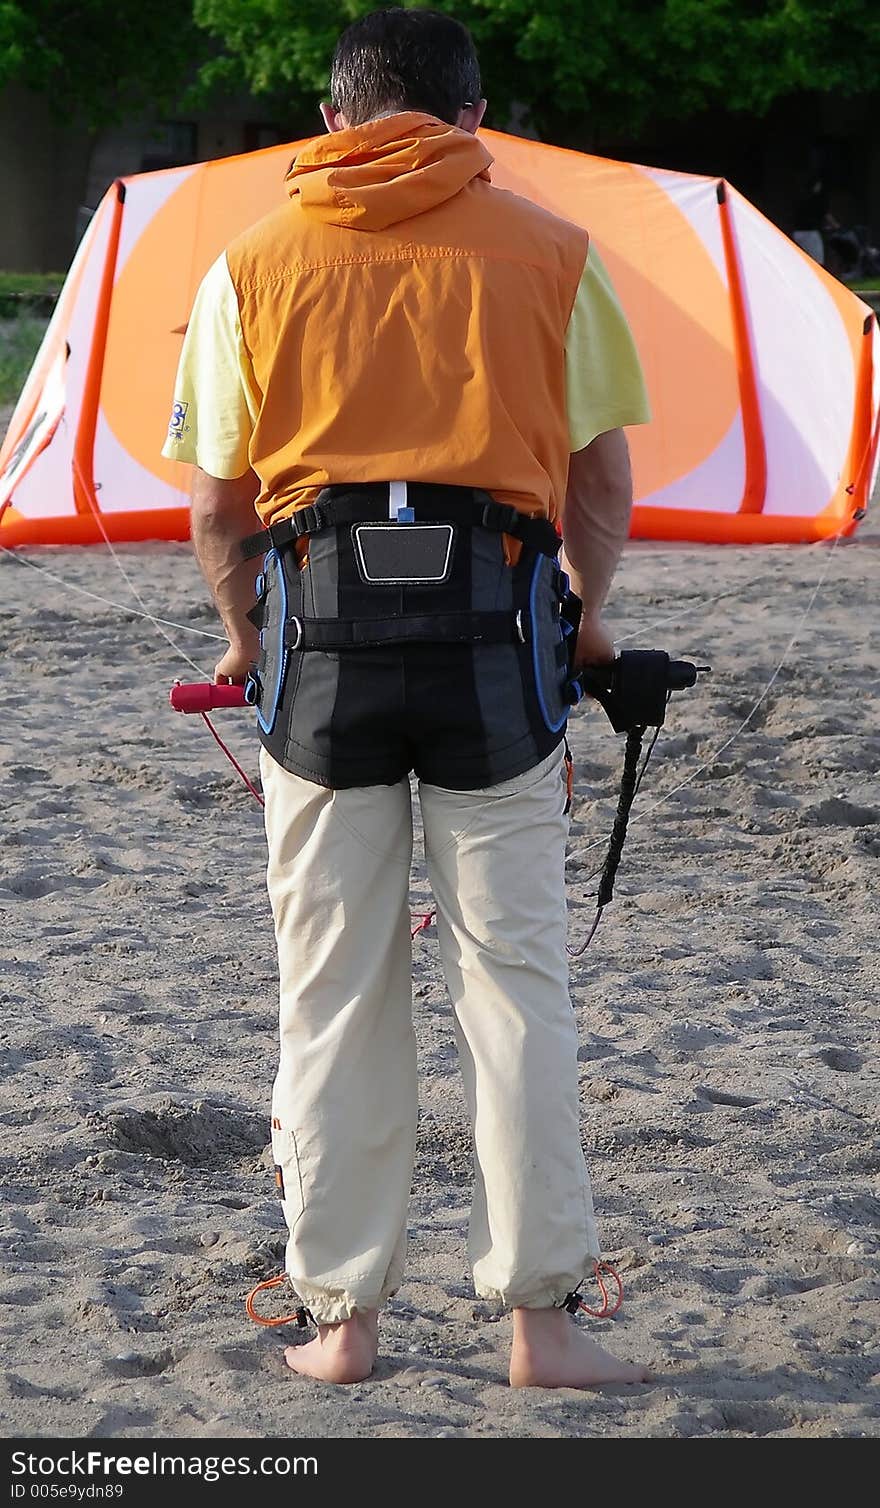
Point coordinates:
[[205, 696], [712, 758], [634, 692], [232, 759]]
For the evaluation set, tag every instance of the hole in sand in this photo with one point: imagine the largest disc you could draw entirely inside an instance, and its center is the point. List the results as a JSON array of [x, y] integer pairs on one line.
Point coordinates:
[[199, 1135]]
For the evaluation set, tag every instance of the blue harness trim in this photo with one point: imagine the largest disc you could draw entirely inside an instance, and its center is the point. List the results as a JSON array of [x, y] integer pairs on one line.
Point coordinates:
[[268, 709], [554, 726]]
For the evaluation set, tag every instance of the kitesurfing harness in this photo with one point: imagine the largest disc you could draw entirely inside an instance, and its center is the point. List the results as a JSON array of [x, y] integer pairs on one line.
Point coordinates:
[[634, 691], [411, 627], [395, 635]]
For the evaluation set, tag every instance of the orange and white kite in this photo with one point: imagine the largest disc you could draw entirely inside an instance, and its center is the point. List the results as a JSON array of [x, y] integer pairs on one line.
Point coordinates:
[[761, 368]]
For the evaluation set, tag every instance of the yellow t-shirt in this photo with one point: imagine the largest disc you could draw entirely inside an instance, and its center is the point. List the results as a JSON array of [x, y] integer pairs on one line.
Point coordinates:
[[604, 386], [217, 398]]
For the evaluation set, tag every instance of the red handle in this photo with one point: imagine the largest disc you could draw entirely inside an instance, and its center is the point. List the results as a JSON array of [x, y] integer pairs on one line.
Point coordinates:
[[204, 696]]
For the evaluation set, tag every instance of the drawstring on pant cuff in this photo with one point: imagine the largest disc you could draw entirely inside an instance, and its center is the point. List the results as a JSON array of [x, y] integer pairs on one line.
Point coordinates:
[[301, 1316], [573, 1301]]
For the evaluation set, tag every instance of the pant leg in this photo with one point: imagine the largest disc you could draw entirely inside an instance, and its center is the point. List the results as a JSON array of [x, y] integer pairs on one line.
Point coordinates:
[[496, 863], [344, 1103]]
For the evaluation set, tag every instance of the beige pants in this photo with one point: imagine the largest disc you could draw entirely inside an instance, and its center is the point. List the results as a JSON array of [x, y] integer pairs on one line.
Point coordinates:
[[345, 1098]]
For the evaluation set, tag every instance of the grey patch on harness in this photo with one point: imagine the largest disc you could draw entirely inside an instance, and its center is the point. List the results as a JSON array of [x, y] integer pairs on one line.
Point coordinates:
[[496, 674], [403, 554], [312, 700], [321, 577]]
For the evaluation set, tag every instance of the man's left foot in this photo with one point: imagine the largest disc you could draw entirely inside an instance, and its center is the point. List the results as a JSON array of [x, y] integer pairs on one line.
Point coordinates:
[[344, 1352]]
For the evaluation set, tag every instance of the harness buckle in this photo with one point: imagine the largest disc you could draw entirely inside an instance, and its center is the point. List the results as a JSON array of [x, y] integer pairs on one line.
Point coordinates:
[[502, 518], [310, 520], [296, 624]]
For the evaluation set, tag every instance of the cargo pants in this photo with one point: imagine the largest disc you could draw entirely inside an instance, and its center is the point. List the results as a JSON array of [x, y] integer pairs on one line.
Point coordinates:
[[345, 1098]]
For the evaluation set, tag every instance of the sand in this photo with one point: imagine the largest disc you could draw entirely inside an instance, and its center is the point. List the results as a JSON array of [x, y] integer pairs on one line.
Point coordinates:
[[728, 1014]]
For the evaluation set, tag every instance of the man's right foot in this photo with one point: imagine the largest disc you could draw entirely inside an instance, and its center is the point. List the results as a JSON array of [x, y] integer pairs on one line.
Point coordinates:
[[344, 1352], [550, 1351]]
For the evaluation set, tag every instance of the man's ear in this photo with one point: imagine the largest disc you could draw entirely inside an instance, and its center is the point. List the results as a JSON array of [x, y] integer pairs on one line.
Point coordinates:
[[333, 119], [470, 117]]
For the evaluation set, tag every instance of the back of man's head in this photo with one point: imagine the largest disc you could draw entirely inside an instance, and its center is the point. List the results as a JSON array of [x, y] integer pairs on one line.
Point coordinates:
[[400, 59]]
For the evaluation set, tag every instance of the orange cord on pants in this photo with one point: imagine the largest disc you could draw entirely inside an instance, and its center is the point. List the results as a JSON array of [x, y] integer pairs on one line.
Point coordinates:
[[299, 1316], [576, 1302]]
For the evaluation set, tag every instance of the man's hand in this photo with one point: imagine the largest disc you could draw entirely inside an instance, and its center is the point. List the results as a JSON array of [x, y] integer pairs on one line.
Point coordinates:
[[233, 667], [595, 645]]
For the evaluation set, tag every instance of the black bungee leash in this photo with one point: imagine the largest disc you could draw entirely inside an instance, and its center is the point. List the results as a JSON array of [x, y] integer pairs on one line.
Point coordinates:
[[634, 691]]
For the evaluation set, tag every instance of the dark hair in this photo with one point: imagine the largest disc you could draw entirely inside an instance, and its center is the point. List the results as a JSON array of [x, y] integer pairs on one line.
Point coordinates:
[[400, 59]]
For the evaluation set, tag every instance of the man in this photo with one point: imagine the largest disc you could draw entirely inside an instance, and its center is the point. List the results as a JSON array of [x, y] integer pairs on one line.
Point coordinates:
[[413, 375]]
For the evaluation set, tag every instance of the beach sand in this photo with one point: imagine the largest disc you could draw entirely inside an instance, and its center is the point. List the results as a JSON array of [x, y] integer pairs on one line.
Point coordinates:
[[728, 1009]]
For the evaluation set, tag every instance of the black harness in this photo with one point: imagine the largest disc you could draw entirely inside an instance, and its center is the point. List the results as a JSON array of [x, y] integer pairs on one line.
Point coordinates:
[[353, 504], [406, 642]]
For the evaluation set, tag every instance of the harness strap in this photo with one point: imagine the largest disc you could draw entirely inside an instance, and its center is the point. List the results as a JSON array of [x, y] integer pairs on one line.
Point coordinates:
[[429, 628], [536, 533], [328, 512]]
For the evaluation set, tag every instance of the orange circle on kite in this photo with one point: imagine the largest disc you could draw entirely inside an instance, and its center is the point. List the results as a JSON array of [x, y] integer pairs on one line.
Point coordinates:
[[673, 295]]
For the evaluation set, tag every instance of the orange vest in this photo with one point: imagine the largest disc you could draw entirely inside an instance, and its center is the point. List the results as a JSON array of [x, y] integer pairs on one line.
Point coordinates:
[[406, 322]]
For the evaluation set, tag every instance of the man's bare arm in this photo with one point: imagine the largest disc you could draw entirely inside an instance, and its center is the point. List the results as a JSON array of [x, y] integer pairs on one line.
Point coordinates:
[[222, 516], [595, 526]]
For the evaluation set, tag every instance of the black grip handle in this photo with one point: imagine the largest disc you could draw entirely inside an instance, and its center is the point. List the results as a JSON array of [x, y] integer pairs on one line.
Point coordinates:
[[635, 687], [680, 673]]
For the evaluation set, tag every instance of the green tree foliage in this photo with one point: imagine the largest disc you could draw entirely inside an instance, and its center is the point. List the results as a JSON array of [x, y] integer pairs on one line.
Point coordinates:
[[618, 65], [99, 60], [580, 67]]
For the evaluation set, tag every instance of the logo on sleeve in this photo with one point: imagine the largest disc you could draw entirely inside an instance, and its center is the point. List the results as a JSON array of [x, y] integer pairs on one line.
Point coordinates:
[[178, 426]]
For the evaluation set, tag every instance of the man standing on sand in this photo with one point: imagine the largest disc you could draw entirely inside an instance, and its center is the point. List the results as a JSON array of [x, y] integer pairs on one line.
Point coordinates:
[[412, 376]]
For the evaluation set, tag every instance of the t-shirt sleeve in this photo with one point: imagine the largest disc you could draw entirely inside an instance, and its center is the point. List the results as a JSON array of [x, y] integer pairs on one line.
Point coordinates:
[[216, 396], [604, 385]]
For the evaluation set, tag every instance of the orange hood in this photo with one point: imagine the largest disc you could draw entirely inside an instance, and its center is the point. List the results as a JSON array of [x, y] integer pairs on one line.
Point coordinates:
[[369, 177]]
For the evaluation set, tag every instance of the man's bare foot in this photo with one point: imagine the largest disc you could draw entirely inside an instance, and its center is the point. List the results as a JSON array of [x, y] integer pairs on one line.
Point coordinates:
[[341, 1353], [550, 1351]]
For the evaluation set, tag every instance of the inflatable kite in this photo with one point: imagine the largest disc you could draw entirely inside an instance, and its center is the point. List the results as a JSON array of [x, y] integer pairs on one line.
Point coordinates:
[[760, 366]]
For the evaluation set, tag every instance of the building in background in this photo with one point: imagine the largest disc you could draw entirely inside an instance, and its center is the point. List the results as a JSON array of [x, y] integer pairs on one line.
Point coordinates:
[[53, 174]]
